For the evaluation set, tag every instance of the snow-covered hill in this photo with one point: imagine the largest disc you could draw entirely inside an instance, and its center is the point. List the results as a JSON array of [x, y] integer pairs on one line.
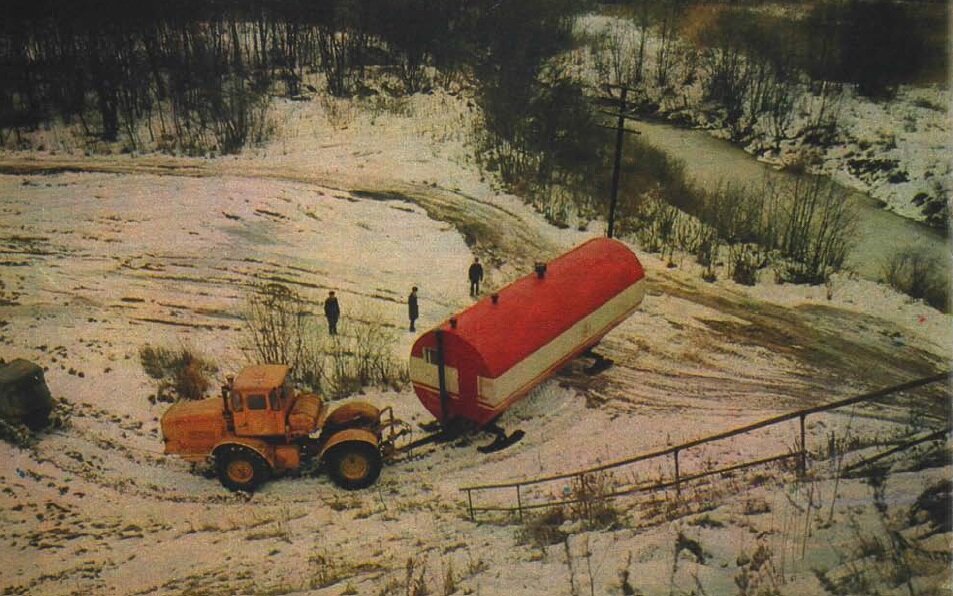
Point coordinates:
[[102, 255]]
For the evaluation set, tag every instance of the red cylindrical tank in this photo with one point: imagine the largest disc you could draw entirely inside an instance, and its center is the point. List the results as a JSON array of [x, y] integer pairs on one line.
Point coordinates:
[[493, 353]]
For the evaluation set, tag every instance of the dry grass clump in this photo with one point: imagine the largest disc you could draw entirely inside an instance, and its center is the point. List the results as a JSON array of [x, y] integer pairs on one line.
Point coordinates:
[[758, 574], [590, 507], [181, 372], [543, 529], [594, 504], [413, 582]]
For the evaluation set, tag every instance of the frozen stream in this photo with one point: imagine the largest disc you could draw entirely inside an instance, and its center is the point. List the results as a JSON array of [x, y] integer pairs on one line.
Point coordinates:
[[709, 160]]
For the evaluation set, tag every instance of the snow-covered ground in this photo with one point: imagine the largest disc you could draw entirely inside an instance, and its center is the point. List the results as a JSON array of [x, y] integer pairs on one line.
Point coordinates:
[[102, 255]]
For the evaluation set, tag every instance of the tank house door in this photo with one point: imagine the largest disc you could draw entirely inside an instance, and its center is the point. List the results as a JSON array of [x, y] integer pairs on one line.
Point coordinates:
[[424, 371]]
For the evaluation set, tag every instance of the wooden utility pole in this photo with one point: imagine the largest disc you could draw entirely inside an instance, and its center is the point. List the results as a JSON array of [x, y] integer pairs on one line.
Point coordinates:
[[617, 163]]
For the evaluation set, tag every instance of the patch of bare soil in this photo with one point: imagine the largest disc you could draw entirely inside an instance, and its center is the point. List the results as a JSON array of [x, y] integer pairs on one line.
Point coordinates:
[[834, 342]]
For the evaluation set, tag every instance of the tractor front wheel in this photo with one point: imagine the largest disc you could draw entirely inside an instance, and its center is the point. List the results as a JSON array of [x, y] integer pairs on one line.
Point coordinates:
[[240, 468], [354, 465]]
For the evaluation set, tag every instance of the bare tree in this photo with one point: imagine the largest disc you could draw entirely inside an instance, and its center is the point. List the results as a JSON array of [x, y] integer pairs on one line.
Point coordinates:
[[780, 99], [614, 54], [665, 54], [274, 319], [823, 105]]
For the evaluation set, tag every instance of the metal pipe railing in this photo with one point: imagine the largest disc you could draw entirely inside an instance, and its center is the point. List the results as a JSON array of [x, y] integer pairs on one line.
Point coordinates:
[[801, 453]]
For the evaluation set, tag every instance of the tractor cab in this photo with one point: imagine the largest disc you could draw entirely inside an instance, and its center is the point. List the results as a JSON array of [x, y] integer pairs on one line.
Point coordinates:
[[261, 402]]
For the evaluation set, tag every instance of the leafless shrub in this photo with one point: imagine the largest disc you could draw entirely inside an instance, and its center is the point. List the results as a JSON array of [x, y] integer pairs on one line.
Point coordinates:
[[282, 330], [656, 231], [339, 47], [823, 105], [275, 322], [690, 234], [449, 580], [616, 59], [805, 226], [729, 81], [918, 275], [743, 264], [733, 211], [817, 230], [782, 96], [236, 115], [362, 354], [667, 52]]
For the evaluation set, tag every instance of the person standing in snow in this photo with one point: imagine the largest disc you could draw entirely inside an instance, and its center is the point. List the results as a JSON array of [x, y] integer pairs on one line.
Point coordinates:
[[476, 276], [412, 311], [333, 312]]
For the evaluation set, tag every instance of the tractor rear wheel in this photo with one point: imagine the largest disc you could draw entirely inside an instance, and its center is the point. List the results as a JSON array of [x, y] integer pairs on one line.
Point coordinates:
[[354, 465], [240, 468]]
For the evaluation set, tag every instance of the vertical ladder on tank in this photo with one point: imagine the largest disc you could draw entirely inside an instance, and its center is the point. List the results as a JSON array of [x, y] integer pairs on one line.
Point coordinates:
[[441, 378]]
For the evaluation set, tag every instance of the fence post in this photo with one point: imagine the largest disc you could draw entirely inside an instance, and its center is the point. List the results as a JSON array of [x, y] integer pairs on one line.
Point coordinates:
[[802, 464], [519, 502], [470, 504], [678, 487]]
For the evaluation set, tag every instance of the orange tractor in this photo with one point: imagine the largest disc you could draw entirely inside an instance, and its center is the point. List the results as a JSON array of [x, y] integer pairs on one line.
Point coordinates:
[[260, 427]]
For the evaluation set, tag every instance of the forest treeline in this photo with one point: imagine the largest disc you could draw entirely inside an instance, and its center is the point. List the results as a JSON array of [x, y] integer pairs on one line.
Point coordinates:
[[196, 76]]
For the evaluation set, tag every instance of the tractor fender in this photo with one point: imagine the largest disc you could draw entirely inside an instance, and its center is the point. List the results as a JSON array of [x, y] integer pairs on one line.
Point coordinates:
[[266, 451], [355, 413], [346, 435]]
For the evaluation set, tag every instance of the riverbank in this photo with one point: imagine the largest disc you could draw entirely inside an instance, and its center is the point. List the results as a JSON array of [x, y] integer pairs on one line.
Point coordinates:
[[895, 151], [710, 161]]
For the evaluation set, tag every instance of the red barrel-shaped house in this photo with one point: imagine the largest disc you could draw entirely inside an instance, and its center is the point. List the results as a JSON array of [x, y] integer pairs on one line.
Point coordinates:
[[478, 363]]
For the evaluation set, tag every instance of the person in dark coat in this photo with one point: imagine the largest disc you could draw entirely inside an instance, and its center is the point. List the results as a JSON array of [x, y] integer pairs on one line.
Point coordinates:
[[412, 311], [476, 276], [333, 312]]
